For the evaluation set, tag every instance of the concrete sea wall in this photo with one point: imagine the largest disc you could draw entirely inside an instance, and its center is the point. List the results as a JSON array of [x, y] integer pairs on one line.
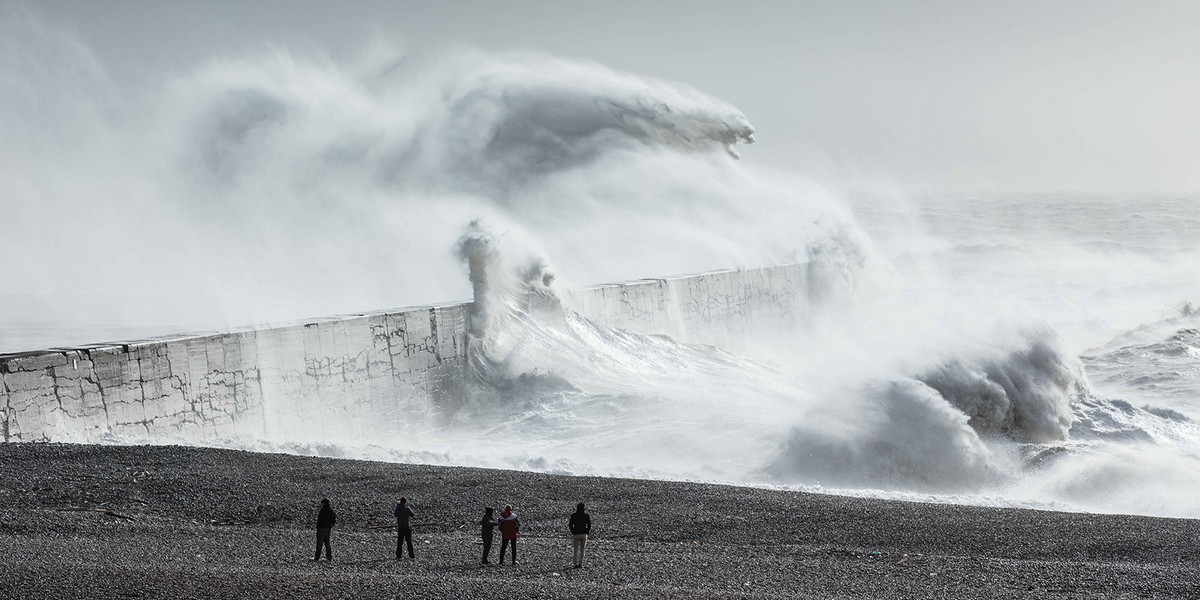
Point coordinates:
[[363, 375]]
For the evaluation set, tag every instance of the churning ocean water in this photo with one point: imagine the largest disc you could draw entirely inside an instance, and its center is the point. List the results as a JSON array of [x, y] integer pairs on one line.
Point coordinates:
[[1037, 350], [1009, 351], [1032, 351]]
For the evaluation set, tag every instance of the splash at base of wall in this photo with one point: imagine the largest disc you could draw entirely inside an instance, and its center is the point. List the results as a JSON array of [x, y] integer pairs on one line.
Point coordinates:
[[359, 376]]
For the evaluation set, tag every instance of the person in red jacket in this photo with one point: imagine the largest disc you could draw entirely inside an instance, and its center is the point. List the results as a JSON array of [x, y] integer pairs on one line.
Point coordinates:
[[510, 527]]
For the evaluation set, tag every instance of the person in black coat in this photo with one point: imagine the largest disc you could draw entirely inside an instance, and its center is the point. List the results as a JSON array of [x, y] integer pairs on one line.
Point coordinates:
[[487, 528], [404, 514], [326, 519], [580, 525]]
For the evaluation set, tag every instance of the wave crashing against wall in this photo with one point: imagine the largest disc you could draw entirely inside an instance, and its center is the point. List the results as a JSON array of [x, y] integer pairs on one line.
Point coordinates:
[[273, 182], [368, 376]]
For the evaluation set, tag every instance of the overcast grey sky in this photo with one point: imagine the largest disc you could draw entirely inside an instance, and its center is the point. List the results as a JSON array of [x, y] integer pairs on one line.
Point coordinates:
[[1043, 96]]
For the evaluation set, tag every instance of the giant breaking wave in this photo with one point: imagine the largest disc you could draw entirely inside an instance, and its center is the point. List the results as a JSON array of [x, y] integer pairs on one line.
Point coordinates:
[[286, 185]]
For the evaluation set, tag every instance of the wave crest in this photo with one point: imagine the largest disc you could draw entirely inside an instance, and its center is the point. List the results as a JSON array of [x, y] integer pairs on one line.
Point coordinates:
[[1025, 395]]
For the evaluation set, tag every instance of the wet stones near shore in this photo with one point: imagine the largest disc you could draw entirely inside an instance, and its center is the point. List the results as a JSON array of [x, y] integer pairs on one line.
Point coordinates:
[[158, 521]]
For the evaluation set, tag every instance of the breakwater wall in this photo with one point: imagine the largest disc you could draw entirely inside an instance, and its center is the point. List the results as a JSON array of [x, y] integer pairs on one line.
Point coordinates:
[[362, 376]]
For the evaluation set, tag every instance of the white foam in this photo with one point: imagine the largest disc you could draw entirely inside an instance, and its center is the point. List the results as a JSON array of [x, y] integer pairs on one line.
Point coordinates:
[[287, 184]]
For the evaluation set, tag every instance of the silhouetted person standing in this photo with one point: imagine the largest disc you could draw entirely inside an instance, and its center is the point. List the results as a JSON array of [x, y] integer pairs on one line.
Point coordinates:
[[404, 515], [326, 519], [580, 525], [510, 527], [487, 528]]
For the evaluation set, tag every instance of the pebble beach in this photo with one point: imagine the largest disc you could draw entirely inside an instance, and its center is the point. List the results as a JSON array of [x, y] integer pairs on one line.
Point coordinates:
[[88, 521]]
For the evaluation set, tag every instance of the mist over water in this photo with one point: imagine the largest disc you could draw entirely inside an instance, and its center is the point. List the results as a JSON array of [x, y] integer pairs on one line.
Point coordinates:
[[1022, 350]]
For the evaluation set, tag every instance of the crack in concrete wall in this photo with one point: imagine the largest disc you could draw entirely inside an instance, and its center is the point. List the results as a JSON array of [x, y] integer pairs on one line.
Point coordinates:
[[376, 375]]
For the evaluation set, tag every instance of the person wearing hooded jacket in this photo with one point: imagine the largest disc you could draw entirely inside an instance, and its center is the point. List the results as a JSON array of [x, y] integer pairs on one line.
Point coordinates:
[[580, 525], [510, 527], [326, 519], [487, 527]]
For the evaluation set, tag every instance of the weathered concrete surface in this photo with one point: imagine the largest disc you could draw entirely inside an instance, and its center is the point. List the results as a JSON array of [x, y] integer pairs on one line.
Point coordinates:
[[369, 375], [717, 308]]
